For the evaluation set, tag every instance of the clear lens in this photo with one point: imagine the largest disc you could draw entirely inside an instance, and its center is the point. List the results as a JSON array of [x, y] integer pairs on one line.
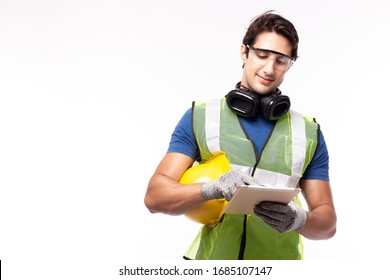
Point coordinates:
[[263, 57]]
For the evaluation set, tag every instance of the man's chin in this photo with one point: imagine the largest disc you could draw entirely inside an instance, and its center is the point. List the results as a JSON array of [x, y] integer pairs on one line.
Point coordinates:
[[263, 90]]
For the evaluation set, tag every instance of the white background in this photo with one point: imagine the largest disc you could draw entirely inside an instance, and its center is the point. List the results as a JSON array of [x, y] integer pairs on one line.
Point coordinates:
[[90, 92]]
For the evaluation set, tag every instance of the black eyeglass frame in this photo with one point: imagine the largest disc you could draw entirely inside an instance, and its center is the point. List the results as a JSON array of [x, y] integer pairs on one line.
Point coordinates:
[[271, 51]]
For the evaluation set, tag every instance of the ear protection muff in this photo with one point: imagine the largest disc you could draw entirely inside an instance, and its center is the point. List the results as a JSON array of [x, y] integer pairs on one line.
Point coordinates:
[[249, 104]]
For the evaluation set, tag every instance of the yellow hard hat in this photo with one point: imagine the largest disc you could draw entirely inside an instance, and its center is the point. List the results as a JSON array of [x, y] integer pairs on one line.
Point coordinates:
[[209, 212]]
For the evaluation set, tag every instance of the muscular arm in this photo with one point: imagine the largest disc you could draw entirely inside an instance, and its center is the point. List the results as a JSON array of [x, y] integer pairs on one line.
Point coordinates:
[[165, 194], [321, 218]]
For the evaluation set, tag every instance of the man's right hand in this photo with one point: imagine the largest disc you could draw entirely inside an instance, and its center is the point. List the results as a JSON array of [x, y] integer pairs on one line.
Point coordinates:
[[226, 185]]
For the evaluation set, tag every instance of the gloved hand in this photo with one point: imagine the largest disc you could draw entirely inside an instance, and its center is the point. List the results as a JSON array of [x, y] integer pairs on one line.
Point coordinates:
[[226, 185], [280, 216]]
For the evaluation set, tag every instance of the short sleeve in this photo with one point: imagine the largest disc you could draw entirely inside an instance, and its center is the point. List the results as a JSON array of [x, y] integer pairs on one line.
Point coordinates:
[[182, 139]]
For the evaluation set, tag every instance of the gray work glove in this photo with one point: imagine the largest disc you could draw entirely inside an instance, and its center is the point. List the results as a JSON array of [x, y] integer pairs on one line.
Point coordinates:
[[280, 216], [226, 185]]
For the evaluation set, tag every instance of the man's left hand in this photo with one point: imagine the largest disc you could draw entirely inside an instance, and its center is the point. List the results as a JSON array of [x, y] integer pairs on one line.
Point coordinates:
[[280, 216]]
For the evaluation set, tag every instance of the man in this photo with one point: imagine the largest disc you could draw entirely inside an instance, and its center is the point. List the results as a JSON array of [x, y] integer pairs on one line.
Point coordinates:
[[265, 143]]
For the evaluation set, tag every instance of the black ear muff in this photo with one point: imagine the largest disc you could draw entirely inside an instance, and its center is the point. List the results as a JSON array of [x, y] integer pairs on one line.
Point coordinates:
[[243, 103], [248, 104], [274, 106]]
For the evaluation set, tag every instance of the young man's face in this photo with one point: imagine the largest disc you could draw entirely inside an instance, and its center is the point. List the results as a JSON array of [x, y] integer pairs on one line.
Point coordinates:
[[264, 70]]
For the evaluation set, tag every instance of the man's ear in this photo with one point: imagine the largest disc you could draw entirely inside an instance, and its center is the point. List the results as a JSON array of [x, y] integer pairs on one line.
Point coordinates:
[[244, 53]]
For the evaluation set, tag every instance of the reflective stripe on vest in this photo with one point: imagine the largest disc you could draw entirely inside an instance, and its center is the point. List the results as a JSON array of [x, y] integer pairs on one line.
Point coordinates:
[[212, 126]]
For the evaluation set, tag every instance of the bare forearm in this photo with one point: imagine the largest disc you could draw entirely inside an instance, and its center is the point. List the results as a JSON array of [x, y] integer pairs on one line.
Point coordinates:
[[320, 223], [166, 195]]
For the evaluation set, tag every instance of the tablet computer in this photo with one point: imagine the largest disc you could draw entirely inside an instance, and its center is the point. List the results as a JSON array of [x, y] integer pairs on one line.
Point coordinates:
[[248, 196]]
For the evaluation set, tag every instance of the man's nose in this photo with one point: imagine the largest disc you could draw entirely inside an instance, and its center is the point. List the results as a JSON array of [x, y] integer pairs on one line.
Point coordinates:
[[269, 66]]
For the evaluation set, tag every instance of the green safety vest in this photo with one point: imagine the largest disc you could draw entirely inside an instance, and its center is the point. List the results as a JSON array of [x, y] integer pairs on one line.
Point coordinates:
[[283, 160]]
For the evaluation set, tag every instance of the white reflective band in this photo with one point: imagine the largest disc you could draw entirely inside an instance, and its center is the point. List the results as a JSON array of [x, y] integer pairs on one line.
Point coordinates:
[[273, 179], [298, 132], [267, 178], [242, 168], [213, 125]]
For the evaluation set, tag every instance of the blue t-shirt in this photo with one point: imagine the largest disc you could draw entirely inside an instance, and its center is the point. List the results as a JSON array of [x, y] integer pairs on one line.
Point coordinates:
[[258, 129]]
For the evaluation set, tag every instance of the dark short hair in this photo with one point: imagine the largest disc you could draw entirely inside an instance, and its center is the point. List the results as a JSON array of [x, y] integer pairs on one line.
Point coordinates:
[[270, 22]]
